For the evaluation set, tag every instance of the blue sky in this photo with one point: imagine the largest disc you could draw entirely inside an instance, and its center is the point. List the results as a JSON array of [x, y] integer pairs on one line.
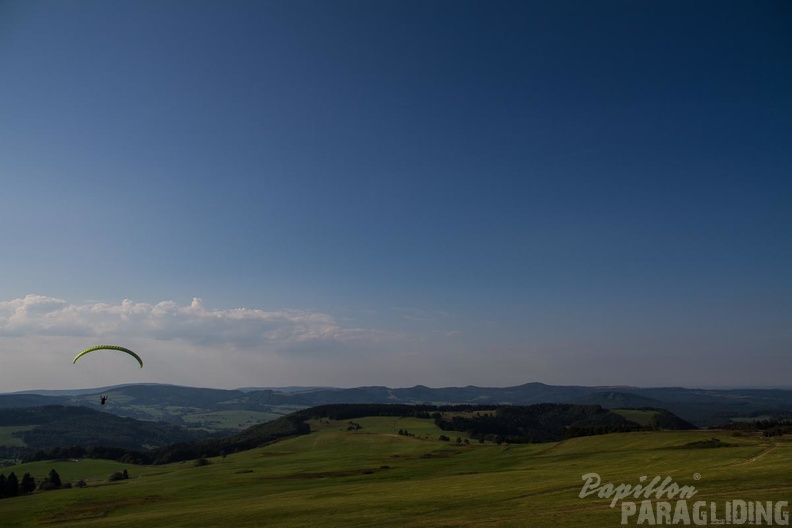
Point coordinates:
[[434, 192]]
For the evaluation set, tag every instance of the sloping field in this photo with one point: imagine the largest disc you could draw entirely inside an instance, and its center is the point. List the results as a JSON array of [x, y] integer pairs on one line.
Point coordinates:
[[373, 476], [642, 417], [7, 437]]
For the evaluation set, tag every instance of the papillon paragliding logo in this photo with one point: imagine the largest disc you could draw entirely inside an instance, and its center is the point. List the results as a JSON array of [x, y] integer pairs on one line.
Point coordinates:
[[664, 502], [103, 398]]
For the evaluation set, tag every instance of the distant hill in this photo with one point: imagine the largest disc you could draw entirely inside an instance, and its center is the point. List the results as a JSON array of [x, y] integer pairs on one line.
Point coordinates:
[[616, 400], [219, 409], [655, 418], [11, 401], [296, 388], [58, 425], [74, 392]]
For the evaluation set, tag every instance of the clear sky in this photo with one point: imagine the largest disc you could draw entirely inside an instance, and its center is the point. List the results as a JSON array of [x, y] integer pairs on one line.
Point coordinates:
[[397, 192]]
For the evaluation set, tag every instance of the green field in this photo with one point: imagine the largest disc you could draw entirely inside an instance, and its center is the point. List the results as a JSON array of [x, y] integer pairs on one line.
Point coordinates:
[[639, 416], [8, 439], [374, 477], [213, 420]]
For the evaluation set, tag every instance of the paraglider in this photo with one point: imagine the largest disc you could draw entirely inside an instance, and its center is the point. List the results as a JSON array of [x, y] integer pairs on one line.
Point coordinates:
[[103, 398], [108, 347]]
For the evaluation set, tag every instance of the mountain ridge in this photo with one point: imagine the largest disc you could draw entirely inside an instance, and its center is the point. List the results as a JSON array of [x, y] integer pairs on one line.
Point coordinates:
[[176, 403]]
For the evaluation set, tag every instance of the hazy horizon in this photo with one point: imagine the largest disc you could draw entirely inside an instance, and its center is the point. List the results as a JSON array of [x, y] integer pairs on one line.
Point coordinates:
[[396, 193], [296, 388]]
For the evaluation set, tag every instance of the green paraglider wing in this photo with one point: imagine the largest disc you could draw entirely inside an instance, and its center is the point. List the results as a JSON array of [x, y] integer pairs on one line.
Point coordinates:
[[108, 347]]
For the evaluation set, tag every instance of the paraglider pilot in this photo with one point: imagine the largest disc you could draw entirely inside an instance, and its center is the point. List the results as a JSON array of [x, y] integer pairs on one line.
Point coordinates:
[[103, 398]]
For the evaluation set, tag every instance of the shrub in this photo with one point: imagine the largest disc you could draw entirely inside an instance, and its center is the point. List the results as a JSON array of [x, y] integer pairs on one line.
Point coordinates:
[[203, 461], [46, 485]]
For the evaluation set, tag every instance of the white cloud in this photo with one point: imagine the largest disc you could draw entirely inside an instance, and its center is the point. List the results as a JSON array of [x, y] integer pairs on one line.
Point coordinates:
[[187, 344], [37, 315], [192, 344]]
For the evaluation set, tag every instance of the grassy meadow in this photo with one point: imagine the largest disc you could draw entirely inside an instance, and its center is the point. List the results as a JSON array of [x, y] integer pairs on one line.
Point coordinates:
[[7, 437], [213, 420], [372, 476]]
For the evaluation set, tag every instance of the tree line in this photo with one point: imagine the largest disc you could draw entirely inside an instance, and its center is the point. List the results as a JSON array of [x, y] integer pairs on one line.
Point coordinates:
[[769, 427], [544, 422], [256, 436], [11, 486]]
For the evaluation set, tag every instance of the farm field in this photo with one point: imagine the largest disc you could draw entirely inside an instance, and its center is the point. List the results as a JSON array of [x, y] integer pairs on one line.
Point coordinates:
[[373, 476]]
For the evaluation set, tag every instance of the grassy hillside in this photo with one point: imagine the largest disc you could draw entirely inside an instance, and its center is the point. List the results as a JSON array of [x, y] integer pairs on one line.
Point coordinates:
[[654, 418], [372, 476], [8, 436]]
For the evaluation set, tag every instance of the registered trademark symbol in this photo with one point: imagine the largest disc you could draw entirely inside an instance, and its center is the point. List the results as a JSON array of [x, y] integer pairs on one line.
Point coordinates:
[[696, 476]]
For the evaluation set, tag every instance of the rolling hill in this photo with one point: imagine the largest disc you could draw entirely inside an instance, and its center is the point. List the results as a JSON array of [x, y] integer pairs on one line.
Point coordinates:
[[227, 410], [337, 477], [54, 432], [59, 425]]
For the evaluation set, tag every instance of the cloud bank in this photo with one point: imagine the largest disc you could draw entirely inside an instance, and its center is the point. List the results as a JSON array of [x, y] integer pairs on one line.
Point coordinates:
[[38, 315], [185, 344], [192, 344]]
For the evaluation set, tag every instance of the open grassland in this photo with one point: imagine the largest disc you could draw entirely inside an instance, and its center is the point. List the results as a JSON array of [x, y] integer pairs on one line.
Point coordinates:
[[7, 437], [213, 420], [374, 477], [93, 472], [639, 416]]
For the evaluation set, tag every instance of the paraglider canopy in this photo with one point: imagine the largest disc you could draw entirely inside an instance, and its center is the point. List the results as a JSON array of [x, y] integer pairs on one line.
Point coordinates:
[[109, 347]]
